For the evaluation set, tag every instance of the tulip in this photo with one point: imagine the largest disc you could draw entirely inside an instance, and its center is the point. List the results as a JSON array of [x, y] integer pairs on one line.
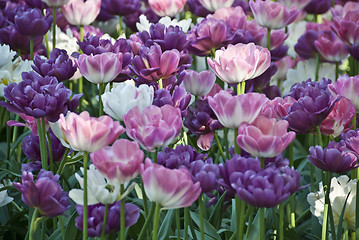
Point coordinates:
[[124, 97], [119, 163], [89, 134], [198, 84], [213, 5], [346, 86], [32, 23], [154, 127], [79, 12], [240, 62], [330, 47], [171, 188], [273, 15], [55, 3], [100, 68], [264, 137], [232, 111], [167, 7]]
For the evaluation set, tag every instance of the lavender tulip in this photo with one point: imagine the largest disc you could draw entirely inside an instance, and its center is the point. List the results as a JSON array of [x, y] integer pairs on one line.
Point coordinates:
[[32, 23], [318, 6], [206, 174], [167, 7], [46, 194], [331, 47], [179, 98], [172, 188], [79, 12], [198, 84], [153, 127]]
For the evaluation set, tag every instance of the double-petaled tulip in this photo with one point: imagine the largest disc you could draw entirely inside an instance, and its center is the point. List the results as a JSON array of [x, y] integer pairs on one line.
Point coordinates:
[[81, 13], [231, 111], [167, 7], [330, 47], [198, 84], [46, 194], [124, 97], [89, 134], [119, 163], [273, 15], [265, 137], [100, 68], [240, 62], [213, 5], [348, 87], [32, 23], [172, 188], [154, 126]]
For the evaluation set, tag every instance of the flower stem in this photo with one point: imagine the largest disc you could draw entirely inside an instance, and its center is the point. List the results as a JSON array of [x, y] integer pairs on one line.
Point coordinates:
[[160, 84], [85, 209], [242, 215], [178, 224], [103, 232], [237, 150], [123, 229], [54, 28], [120, 26], [47, 45], [156, 220], [42, 141], [292, 206], [155, 155], [219, 146], [63, 162], [51, 157], [320, 140], [281, 221], [326, 205], [262, 223], [336, 70], [268, 38], [32, 224], [147, 222], [186, 220], [201, 213], [101, 91], [31, 48], [317, 64]]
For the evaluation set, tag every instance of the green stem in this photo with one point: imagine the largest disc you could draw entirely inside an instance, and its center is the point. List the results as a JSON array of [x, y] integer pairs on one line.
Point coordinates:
[[81, 33], [156, 220], [63, 162], [144, 198], [155, 155], [101, 91], [51, 157], [201, 217], [160, 84], [147, 222], [120, 26], [354, 122], [32, 224], [237, 150], [8, 136], [262, 223], [123, 229], [43, 230], [186, 220], [292, 206], [320, 140], [242, 216], [326, 186], [47, 45], [103, 232], [268, 38], [262, 161], [31, 48], [281, 221], [219, 146], [336, 70], [62, 227], [42, 142], [317, 64], [178, 223], [54, 28], [85, 210]]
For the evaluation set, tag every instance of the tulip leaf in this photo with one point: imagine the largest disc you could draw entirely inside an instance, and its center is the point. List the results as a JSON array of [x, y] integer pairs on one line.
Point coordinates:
[[17, 142], [71, 230], [166, 225], [56, 235], [340, 223], [209, 230], [216, 212]]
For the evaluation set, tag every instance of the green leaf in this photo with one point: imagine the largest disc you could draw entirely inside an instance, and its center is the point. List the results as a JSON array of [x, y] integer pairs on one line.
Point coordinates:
[[216, 212], [71, 230], [166, 225], [56, 235], [209, 230], [340, 223]]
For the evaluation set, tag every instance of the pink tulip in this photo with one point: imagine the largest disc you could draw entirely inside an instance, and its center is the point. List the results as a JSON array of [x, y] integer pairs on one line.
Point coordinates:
[[240, 62], [167, 7], [198, 84], [100, 68], [231, 111], [81, 13], [172, 188], [339, 118], [153, 127], [89, 134], [265, 137], [348, 87], [119, 163], [273, 15], [331, 47]]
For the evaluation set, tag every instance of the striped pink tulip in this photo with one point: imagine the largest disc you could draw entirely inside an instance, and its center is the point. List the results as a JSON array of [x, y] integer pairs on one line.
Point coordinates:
[[167, 7], [89, 134], [172, 188], [119, 163], [81, 13]]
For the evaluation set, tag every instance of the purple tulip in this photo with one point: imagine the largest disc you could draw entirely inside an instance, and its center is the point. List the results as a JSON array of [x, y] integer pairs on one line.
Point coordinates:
[[231, 111], [318, 6], [197, 8], [334, 158], [331, 47], [273, 15], [153, 127], [121, 7], [206, 174], [305, 46], [59, 65], [32, 23], [172, 188], [46, 194], [119, 163], [179, 98], [96, 214], [39, 97]]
